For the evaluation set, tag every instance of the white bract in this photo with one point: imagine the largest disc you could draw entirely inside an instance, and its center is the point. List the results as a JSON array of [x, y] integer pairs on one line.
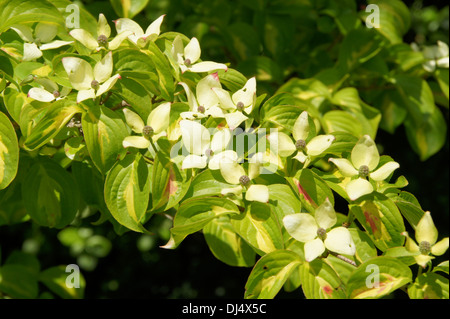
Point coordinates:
[[38, 41], [205, 102], [138, 36], [49, 91], [203, 147], [99, 40], [89, 82], [306, 151], [315, 233], [155, 127], [364, 161], [242, 101], [187, 57], [426, 236], [235, 174], [437, 56]]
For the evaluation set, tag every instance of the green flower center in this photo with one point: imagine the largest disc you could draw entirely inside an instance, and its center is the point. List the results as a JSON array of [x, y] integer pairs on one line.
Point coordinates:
[[102, 40], [240, 106], [300, 145], [148, 131], [364, 171], [322, 233], [187, 62], [95, 84], [424, 247], [244, 180]]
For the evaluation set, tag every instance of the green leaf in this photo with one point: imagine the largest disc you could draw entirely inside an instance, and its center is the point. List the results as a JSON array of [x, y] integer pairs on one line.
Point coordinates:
[[209, 182], [55, 279], [429, 286], [56, 117], [14, 101], [409, 206], [232, 79], [90, 183], [272, 110], [382, 220], [259, 227], [134, 93], [365, 248], [242, 39], [270, 273], [163, 69], [18, 276], [358, 46], [128, 8], [442, 77], [26, 11], [311, 188], [283, 200], [49, 195], [378, 277], [195, 213], [170, 181], [320, 281], [443, 266], [402, 254], [9, 152], [226, 245], [104, 131], [393, 110], [395, 19], [127, 191], [429, 136], [425, 125], [342, 121]]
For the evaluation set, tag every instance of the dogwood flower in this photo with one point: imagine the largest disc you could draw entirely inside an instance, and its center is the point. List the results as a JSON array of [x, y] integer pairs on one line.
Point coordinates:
[[39, 40], [242, 101], [99, 40], [426, 236], [155, 127], [138, 36], [89, 82], [203, 147], [205, 103], [235, 174], [284, 146], [364, 161], [187, 57], [316, 234], [49, 92], [437, 56]]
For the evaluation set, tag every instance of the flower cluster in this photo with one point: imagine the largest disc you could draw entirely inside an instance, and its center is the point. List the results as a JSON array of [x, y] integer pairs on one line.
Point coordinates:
[[204, 118]]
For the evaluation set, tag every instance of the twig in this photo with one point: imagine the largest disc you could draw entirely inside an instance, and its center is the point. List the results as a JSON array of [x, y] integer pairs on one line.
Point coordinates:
[[349, 261]]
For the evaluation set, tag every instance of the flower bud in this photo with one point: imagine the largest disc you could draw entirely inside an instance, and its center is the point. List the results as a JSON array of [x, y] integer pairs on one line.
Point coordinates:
[[187, 62], [240, 106], [56, 94], [322, 233], [244, 180], [147, 131], [201, 109], [95, 84], [424, 247], [102, 40], [300, 145], [363, 171]]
